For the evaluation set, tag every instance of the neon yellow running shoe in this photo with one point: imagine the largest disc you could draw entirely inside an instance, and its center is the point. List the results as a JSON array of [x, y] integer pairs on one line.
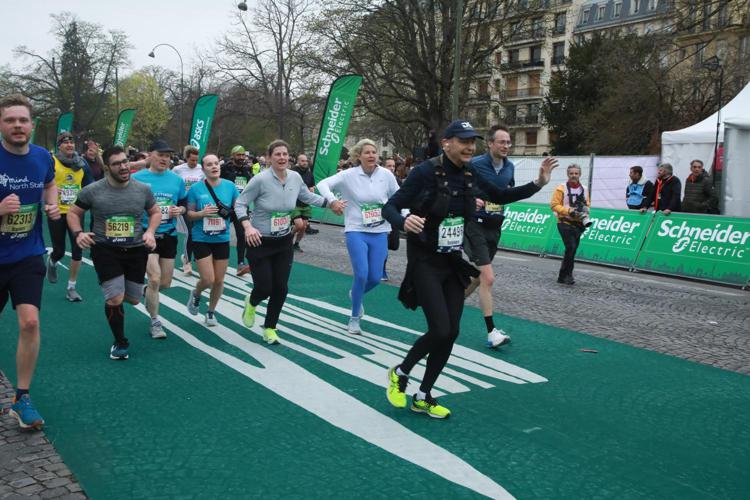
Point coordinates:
[[430, 406], [396, 391], [269, 335], [248, 315]]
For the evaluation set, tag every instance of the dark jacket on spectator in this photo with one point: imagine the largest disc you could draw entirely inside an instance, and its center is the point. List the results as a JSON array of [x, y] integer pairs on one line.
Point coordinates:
[[699, 194], [666, 194]]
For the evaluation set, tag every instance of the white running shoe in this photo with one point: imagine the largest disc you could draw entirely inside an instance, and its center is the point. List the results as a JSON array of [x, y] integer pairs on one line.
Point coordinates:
[[211, 319], [353, 327], [496, 338], [156, 330], [193, 303]]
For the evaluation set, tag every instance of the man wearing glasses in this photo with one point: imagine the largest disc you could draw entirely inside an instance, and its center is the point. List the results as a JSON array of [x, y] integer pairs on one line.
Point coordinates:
[[483, 230], [117, 239]]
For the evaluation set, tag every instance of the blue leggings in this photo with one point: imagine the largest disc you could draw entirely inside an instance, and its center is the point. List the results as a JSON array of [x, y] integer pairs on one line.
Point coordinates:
[[367, 252]]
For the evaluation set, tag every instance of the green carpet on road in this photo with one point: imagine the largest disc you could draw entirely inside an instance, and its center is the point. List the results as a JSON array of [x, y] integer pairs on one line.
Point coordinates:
[[174, 421]]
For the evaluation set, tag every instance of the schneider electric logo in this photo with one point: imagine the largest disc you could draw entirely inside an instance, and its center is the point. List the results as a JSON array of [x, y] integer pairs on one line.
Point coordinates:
[[720, 240], [530, 221], [614, 230]]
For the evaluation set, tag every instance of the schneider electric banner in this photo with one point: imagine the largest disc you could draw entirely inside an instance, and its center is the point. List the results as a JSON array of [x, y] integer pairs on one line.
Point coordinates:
[[123, 127], [335, 124], [203, 117], [614, 237], [527, 227], [702, 246]]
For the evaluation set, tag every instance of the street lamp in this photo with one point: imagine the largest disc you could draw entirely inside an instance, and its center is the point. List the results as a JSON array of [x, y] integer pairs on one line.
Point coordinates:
[[182, 86], [712, 64]]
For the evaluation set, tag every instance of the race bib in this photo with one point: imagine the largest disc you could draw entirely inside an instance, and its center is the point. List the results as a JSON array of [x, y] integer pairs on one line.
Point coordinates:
[[21, 223], [372, 214], [214, 225], [164, 206], [280, 222], [450, 234], [69, 193], [493, 208], [119, 229], [240, 182]]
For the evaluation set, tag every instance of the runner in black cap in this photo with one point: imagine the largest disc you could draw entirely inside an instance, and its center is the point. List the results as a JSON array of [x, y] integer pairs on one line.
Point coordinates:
[[118, 238], [440, 194], [169, 191]]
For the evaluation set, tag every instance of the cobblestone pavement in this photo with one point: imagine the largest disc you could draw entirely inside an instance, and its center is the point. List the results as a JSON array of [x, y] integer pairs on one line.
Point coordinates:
[[701, 322], [29, 464]]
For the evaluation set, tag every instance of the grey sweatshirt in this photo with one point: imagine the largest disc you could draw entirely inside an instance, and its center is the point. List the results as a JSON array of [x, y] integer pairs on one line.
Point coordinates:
[[273, 200]]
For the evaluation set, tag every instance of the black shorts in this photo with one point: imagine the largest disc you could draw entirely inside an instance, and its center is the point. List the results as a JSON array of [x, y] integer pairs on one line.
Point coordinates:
[[480, 242], [111, 262], [219, 251], [22, 282], [166, 246]]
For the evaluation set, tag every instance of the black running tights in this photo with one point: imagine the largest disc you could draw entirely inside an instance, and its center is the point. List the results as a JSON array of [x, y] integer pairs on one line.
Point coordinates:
[[441, 295], [270, 266]]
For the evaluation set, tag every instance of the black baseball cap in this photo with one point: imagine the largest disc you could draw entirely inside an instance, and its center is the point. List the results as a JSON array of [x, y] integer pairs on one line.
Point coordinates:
[[461, 129], [161, 146]]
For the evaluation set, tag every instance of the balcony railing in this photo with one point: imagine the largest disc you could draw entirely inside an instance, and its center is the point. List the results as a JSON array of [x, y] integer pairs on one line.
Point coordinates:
[[536, 63], [519, 93], [528, 34], [522, 120]]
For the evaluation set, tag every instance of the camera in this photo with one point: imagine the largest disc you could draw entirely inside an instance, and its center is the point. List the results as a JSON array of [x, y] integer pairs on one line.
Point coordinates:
[[224, 212], [582, 211]]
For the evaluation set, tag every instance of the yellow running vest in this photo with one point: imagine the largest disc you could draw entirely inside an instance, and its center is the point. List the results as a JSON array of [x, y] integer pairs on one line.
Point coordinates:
[[68, 185]]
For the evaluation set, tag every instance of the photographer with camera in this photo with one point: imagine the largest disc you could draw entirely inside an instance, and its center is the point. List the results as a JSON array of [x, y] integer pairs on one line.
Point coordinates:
[[571, 207]]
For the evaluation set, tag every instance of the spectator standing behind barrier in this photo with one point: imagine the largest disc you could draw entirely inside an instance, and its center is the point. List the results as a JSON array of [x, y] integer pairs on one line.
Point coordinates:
[[666, 195], [700, 197], [639, 190], [571, 206]]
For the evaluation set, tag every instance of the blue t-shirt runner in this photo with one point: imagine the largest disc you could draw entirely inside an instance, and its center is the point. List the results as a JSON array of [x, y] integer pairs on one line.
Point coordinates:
[[25, 176], [169, 190], [214, 228]]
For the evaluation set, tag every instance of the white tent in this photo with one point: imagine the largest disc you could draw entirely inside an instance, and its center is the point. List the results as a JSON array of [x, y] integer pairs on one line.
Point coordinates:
[[736, 178], [680, 147]]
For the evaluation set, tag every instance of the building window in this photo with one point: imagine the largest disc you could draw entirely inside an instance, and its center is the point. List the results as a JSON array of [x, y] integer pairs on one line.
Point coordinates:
[[531, 137], [558, 53], [484, 88], [513, 56], [510, 114], [723, 20], [537, 27], [652, 4], [699, 53], [535, 85], [744, 51], [497, 84], [585, 16], [560, 23], [618, 9], [498, 58], [634, 6], [535, 53], [600, 12]]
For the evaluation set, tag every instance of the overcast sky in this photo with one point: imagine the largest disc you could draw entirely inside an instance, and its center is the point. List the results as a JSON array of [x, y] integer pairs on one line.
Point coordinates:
[[189, 25]]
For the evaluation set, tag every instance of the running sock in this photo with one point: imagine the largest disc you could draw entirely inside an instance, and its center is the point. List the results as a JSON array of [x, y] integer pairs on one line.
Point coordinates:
[[20, 393], [400, 373], [154, 320], [490, 323], [116, 319], [421, 395], [71, 284]]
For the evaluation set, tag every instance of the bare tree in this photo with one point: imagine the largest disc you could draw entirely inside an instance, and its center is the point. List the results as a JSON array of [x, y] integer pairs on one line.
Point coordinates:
[[405, 50], [268, 55], [78, 74]]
